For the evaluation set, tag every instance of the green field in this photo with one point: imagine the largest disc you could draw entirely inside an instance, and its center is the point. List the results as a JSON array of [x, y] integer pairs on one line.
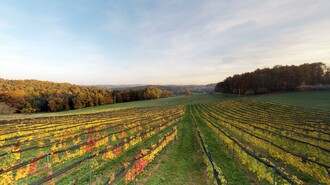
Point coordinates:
[[177, 100], [313, 100], [251, 140]]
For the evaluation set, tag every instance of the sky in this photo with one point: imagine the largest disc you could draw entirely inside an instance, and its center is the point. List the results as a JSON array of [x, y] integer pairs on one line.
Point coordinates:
[[91, 42]]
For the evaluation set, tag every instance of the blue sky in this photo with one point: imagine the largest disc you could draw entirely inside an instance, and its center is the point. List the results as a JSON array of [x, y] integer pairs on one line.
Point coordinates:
[[158, 42]]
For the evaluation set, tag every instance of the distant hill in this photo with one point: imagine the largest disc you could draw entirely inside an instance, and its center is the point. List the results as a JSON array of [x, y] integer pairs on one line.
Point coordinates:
[[176, 89], [276, 79], [119, 87]]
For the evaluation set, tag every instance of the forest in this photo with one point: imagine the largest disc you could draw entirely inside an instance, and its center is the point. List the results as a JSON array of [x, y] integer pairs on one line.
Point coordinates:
[[276, 79], [28, 96]]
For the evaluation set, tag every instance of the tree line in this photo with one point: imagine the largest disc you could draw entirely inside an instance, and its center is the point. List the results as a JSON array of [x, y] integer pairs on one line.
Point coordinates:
[[28, 96], [135, 94], [276, 79]]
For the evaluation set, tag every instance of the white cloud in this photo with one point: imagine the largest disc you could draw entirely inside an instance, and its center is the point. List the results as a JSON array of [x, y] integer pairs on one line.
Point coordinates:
[[251, 35], [169, 42]]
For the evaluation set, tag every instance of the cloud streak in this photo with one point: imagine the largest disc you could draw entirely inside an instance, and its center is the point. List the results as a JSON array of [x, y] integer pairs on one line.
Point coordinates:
[[169, 42]]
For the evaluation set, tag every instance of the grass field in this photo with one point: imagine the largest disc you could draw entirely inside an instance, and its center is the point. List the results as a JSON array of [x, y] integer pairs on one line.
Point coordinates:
[[177, 100], [282, 139], [313, 100]]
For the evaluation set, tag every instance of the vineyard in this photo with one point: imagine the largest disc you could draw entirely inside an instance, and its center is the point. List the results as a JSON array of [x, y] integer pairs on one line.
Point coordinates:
[[279, 144], [237, 141], [81, 149]]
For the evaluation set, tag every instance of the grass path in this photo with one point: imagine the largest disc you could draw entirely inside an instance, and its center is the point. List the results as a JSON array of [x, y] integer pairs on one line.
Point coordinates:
[[184, 163]]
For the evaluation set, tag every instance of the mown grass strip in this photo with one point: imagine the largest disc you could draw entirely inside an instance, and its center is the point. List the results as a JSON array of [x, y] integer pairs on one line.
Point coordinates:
[[184, 164]]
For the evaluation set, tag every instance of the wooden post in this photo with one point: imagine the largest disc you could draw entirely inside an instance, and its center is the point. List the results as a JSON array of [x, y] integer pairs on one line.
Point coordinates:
[[233, 151], [48, 160], [90, 171], [274, 175]]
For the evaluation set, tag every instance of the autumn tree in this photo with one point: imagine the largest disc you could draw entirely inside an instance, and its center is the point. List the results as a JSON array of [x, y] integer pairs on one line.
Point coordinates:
[[52, 105], [28, 96], [327, 76], [187, 92], [166, 93], [6, 109], [279, 78], [152, 93], [28, 109]]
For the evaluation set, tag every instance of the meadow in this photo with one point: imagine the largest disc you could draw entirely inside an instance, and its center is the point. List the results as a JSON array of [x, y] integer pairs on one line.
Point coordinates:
[[195, 139]]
